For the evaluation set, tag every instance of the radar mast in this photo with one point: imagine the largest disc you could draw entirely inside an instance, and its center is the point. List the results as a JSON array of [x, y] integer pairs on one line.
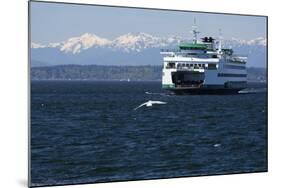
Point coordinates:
[[220, 41], [195, 31]]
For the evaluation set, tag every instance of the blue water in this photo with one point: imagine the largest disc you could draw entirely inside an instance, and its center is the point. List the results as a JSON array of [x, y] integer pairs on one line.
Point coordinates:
[[87, 132]]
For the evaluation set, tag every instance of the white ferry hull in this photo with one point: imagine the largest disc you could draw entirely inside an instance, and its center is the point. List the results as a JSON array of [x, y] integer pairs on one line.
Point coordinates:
[[203, 81]]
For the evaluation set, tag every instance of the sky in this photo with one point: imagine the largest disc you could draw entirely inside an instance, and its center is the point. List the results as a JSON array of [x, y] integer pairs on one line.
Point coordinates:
[[55, 22]]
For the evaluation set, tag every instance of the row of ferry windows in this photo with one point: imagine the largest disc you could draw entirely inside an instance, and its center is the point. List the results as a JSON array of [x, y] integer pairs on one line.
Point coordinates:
[[203, 66], [187, 65]]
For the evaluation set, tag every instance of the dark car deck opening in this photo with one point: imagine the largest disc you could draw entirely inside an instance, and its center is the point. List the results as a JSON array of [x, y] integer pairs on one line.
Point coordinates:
[[188, 78]]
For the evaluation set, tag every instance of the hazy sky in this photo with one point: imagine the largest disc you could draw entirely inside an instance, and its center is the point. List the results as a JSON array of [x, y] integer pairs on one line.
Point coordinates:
[[52, 22]]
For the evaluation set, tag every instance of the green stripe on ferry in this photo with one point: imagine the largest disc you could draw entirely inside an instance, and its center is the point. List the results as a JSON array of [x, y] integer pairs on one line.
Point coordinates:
[[167, 86], [191, 46]]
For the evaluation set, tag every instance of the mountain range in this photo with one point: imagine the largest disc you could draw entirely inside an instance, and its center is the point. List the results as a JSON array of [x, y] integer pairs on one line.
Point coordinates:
[[129, 49]]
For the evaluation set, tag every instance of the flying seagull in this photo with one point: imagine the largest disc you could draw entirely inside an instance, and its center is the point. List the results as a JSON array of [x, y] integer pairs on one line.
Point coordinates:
[[150, 103]]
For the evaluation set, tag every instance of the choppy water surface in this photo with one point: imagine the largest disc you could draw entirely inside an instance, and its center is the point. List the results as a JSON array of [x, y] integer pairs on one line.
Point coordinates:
[[87, 131]]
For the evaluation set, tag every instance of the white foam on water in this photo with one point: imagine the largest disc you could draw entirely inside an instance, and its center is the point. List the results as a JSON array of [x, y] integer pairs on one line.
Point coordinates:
[[162, 94], [252, 90]]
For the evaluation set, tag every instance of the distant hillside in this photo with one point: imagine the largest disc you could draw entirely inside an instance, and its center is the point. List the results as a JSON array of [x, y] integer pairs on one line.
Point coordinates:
[[99, 72]]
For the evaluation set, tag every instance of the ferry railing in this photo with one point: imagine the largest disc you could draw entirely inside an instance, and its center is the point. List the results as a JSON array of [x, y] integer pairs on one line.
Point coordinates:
[[169, 50], [189, 68], [242, 56]]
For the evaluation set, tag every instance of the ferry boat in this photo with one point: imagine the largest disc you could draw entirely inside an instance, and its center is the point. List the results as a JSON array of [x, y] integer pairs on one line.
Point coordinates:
[[203, 67]]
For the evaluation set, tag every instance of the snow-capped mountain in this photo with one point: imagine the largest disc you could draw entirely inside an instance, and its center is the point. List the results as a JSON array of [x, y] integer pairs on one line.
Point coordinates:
[[260, 41], [128, 49], [76, 44], [137, 42], [128, 42]]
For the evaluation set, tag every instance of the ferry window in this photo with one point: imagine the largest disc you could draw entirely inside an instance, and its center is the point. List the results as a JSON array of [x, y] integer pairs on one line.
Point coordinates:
[[212, 66], [170, 65]]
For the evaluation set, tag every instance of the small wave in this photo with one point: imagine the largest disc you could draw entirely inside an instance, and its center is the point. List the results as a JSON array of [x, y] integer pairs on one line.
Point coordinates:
[[253, 90], [161, 94], [207, 117], [149, 93]]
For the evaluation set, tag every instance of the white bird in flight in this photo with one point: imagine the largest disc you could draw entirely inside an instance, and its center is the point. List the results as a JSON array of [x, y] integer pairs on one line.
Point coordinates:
[[150, 103]]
